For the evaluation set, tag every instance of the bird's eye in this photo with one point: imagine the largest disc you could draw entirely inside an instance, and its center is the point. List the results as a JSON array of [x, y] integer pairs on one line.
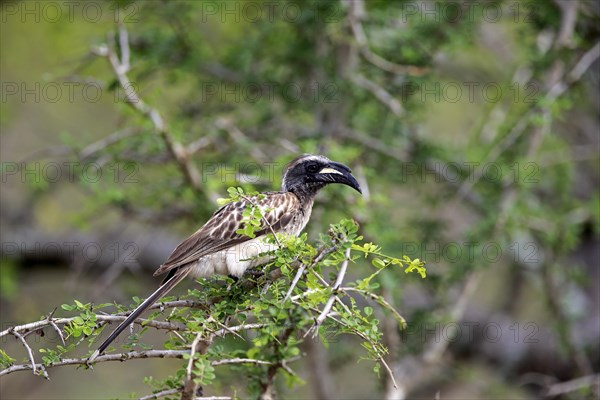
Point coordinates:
[[312, 168]]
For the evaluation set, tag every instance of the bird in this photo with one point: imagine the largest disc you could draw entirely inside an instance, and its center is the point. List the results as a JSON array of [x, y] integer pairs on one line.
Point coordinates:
[[219, 246]]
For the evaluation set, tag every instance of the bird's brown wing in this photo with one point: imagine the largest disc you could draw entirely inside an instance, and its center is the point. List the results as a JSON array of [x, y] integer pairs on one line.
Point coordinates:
[[219, 232]]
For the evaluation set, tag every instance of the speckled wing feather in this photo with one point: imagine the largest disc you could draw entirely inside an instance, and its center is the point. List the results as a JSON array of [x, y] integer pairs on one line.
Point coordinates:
[[219, 232]]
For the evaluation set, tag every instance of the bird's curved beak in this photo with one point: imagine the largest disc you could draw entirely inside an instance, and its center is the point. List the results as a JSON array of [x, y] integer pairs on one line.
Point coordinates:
[[336, 172]]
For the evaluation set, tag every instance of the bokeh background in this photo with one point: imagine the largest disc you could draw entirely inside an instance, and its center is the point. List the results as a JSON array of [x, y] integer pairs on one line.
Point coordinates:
[[473, 127]]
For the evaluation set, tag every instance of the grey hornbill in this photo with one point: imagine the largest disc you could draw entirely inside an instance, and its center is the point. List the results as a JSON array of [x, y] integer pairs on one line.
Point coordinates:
[[216, 248]]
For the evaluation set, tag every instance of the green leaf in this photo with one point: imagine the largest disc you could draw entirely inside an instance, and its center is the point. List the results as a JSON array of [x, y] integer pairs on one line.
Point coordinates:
[[378, 262]]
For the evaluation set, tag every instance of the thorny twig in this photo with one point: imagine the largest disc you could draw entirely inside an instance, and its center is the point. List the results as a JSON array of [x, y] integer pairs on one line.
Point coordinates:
[[324, 252], [190, 386], [331, 300], [34, 366]]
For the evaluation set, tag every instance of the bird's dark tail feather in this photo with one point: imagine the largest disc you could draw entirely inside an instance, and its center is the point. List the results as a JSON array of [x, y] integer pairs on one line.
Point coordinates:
[[160, 292]]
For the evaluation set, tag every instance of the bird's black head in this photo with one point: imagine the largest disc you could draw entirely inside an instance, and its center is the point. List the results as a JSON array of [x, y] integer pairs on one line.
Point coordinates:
[[308, 173]]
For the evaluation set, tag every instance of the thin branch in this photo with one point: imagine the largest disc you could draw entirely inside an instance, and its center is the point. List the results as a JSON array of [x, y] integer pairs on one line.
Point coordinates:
[[120, 68], [232, 329], [573, 385], [190, 386], [584, 63], [213, 398], [380, 94], [324, 252], [130, 356], [332, 317], [576, 73], [33, 365], [124, 45], [568, 22], [379, 299], [33, 326], [55, 327], [240, 361], [331, 300], [103, 358], [198, 145], [162, 393], [103, 143], [356, 12]]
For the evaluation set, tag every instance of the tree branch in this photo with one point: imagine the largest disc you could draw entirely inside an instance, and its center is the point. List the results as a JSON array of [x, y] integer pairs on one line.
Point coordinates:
[[103, 358], [121, 67], [357, 12], [331, 300]]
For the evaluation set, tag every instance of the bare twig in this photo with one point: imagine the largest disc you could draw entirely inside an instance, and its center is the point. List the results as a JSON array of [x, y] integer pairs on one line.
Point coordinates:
[[568, 22], [324, 252], [130, 356], [379, 299], [380, 94], [55, 327], [240, 361], [190, 386], [331, 300], [228, 125], [198, 145], [573, 385], [121, 68], [238, 328], [366, 339], [162, 393], [33, 365], [576, 73], [103, 143], [356, 12]]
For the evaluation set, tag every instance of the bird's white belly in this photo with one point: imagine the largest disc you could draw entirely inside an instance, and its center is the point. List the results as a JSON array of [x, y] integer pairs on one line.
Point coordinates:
[[234, 260]]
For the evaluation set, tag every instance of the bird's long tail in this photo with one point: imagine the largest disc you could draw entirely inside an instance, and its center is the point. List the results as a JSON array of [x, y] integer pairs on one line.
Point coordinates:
[[160, 292]]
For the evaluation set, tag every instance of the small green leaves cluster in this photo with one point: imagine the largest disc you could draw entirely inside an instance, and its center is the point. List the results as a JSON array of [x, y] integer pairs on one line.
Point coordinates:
[[382, 261], [6, 360], [83, 324], [235, 194], [202, 370]]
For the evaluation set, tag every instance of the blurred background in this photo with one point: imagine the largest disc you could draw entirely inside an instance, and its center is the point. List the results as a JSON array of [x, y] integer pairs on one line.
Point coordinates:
[[473, 127]]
